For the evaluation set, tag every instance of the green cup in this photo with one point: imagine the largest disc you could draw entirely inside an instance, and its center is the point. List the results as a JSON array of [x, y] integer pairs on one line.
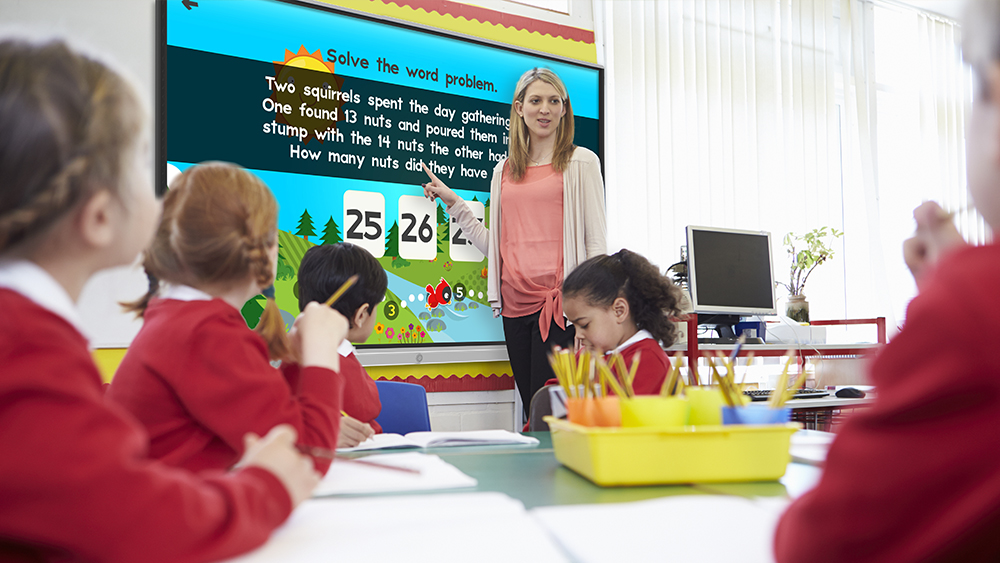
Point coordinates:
[[704, 405]]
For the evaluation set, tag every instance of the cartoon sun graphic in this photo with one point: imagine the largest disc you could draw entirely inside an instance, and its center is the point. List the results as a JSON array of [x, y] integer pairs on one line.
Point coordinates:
[[315, 104]]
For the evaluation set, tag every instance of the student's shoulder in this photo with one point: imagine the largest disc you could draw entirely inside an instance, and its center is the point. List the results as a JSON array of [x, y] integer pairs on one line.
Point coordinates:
[[25, 321], [196, 322], [650, 349]]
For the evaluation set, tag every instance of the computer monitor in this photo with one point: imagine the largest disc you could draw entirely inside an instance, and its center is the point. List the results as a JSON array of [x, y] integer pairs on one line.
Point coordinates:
[[729, 272]]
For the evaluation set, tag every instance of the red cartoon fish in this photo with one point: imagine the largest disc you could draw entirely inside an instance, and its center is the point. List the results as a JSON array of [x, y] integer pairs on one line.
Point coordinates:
[[440, 295]]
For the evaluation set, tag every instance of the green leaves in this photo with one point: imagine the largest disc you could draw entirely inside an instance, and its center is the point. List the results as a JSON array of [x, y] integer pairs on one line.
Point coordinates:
[[807, 251]]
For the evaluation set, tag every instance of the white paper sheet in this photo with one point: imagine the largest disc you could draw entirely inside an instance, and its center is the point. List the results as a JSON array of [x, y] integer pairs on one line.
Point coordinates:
[[810, 446], [346, 477], [679, 529], [445, 528]]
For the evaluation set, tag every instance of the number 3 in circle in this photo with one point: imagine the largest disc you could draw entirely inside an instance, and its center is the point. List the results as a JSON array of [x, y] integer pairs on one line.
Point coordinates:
[[391, 310]]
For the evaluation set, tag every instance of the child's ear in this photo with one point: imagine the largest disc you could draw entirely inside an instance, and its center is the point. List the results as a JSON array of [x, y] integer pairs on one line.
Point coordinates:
[[361, 315], [620, 309], [95, 219]]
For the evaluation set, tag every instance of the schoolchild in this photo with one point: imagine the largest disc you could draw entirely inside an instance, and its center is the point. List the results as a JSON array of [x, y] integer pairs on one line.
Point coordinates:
[[916, 476], [322, 271], [75, 481], [196, 376], [622, 303]]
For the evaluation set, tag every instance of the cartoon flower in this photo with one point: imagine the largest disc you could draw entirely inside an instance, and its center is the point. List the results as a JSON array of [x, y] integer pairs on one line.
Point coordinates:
[[411, 326], [379, 328], [389, 333]]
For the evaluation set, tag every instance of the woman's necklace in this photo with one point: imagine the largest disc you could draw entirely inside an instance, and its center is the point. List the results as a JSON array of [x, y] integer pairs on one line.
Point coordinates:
[[540, 160]]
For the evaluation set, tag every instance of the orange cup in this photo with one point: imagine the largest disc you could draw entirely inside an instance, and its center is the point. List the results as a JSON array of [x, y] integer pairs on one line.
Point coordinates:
[[602, 411]]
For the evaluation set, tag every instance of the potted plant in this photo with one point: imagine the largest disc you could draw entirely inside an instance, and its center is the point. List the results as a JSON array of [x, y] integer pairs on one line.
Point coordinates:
[[807, 251]]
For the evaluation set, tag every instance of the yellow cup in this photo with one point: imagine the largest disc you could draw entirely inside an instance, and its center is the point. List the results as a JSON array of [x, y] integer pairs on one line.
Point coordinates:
[[704, 405], [652, 410]]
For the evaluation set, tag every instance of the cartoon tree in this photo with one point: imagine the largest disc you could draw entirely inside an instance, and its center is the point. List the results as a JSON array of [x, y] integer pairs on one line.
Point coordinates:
[[442, 237], [331, 234], [487, 209], [444, 229], [474, 198], [305, 226], [392, 240]]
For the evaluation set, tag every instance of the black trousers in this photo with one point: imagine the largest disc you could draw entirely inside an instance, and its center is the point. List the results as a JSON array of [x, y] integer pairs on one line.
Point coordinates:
[[529, 354]]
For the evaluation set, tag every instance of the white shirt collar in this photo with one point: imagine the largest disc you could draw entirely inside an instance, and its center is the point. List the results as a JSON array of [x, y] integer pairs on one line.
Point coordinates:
[[641, 335], [184, 293], [346, 348], [33, 282]]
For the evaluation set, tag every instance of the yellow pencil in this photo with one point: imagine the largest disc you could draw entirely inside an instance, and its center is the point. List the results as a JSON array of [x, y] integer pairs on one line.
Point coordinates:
[[340, 291]]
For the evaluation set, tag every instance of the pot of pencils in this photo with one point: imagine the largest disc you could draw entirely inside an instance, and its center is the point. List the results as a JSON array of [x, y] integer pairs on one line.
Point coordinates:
[[587, 400], [774, 411]]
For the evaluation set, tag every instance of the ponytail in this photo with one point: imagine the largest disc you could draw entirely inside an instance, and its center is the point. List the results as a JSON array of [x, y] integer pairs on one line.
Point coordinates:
[[652, 298], [140, 305]]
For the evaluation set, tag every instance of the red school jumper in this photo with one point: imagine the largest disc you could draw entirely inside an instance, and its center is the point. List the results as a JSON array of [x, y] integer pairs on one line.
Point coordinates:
[[916, 477], [75, 481], [653, 363], [361, 400], [198, 379], [360, 392]]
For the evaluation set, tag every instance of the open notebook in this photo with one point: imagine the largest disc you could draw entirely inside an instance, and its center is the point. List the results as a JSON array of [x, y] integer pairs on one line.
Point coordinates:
[[441, 439]]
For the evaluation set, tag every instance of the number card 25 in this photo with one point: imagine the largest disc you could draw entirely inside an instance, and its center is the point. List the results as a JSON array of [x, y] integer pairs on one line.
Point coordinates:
[[364, 220]]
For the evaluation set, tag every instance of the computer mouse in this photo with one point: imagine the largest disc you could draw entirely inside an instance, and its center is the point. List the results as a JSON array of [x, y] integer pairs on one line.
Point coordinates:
[[850, 393]]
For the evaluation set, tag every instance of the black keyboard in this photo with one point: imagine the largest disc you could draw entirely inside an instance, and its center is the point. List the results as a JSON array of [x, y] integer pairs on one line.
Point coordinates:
[[765, 394]]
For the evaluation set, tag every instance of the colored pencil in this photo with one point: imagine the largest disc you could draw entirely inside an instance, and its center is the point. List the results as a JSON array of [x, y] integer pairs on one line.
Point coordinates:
[[316, 451], [340, 291]]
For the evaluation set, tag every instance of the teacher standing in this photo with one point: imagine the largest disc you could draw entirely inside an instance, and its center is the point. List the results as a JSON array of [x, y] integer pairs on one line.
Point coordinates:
[[546, 217]]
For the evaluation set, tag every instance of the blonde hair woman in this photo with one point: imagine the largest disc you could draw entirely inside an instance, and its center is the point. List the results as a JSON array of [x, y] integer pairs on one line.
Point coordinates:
[[546, 217]]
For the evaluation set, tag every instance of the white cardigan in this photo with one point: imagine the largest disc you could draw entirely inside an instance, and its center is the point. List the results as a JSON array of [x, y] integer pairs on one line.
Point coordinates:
[[584, 227]]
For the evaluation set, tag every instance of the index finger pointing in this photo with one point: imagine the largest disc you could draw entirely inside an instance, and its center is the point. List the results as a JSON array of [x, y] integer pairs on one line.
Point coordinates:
[[429, 173]]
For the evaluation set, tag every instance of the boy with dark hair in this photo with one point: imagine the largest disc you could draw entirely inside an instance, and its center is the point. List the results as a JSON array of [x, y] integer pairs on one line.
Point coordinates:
[[322, 271]]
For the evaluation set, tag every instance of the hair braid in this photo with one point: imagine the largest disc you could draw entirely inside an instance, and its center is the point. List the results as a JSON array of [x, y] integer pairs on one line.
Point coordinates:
[[67, 121]]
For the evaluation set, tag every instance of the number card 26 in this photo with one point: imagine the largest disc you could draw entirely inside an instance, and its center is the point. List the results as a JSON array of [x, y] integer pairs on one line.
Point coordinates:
[[417, 228]]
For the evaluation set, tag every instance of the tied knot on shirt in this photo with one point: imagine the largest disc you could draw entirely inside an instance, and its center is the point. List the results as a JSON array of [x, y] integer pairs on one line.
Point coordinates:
[[551, 309]]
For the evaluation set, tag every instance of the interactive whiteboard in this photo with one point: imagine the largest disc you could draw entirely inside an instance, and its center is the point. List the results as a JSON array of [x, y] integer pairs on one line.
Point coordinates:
[[334, 111]]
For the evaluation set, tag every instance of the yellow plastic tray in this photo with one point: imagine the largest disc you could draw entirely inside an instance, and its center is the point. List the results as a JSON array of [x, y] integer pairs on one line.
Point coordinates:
[[660, 456]]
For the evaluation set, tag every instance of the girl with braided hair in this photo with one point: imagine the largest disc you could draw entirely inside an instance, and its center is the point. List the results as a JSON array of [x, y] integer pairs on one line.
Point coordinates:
[[195, 376], [76, 481], [622, 303]]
